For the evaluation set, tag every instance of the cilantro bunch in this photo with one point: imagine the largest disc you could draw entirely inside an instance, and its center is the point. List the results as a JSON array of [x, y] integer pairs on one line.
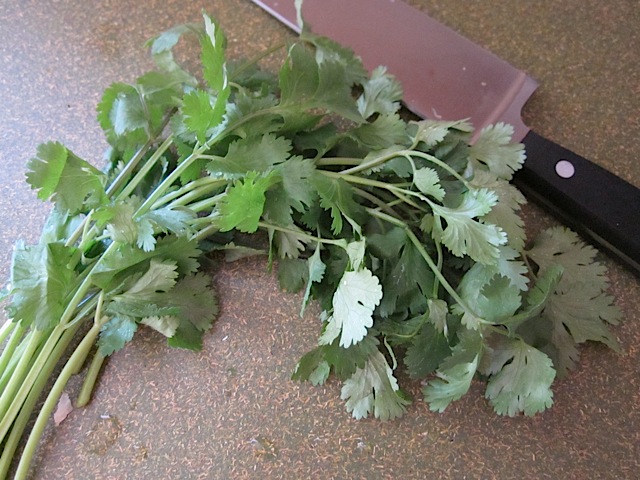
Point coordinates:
[[407, 235]]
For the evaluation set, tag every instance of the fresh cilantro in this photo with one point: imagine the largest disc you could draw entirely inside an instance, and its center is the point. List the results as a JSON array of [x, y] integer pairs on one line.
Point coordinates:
[[409, 237], [374, 389]]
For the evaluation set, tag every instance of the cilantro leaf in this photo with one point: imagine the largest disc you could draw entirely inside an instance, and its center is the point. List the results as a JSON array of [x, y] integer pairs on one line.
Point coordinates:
[[312, 82], [72, 183], [384, 131], [336, 195], [315, 269], [427, 350], [521, 377], [374, 389], [381, 94], [353, 303], [115, 334], [455, 373], [465, 236], [505, 213], [493, 149], [491, 296], [312, 367], [200, 116], [251, 154], [580, 304], [428, 182], [406, 278], [432, 132], [242, 206], [40, 282]]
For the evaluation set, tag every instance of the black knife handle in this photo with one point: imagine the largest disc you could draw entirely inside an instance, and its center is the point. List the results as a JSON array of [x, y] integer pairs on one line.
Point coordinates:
[[599, 205]]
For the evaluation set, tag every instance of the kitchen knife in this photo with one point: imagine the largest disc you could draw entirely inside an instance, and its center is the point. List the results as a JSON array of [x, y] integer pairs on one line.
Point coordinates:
[[446, 76]]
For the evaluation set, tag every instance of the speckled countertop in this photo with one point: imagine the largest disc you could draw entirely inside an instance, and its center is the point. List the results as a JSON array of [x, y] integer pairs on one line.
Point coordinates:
[[231, 411]]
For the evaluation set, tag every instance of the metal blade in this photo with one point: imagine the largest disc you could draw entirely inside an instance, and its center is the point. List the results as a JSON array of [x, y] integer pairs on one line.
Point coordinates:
[[444, 75]]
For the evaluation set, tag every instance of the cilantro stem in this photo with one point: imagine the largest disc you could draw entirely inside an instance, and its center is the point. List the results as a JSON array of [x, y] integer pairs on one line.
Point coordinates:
[[17, 332], [427, 258], [20, 372], [90, 380], [401, 193], [195, 193], [20, 422], [189, 187], [304, 236], [78, 356], [146, 168]]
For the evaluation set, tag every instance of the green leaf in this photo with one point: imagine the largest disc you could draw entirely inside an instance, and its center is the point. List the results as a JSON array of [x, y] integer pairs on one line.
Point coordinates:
[[198, 109], [167, 325], [315, 269], [428, 182], [41, 281], [292, 274], [491, 296], [312, 367], [382, 94], [257, 154], [432, 132], [427, 350], [72, 183], [374, 389], [311, 82], [407, 280], [493, 149], [160, 277], [463, 234], [115, 334], [196, 299], [242, 206], [580, 305], [353, 303], [455, 373], [213, 58], [122, 115], [187, 336], [336, 195], [505, 213], [521, 378], [383, 132]]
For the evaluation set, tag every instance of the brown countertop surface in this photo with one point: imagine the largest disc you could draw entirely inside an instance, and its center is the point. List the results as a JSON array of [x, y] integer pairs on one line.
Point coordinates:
[[231, 412]]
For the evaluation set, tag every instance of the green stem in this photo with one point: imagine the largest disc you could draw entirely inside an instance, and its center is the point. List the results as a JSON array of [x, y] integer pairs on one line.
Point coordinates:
[[189, 187], [427, 258], [401, 193], [146, 168], [17, 331], [29, 404], [197, 193], [90, 380], [6, 330], [302, 235], [79, 356], [21, 370], [337, 161], [254, 60]]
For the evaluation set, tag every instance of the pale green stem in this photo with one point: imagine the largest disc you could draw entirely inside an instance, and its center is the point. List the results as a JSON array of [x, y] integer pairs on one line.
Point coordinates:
[[17, 332], [79, 355], [21, 370], [19, 424], [302, 235], [146, 168]]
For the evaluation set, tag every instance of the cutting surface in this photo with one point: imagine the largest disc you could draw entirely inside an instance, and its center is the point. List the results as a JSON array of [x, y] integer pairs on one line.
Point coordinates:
[[231, 412]]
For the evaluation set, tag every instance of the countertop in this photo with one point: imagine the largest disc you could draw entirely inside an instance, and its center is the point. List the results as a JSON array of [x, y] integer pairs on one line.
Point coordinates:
[[231, 411]]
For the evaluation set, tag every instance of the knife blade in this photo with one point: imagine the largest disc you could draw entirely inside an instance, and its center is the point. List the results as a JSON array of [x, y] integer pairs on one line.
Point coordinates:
[[446, 76]]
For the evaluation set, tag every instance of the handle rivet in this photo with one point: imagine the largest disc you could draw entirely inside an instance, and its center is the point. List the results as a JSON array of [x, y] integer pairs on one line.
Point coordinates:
[[565, 169]]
